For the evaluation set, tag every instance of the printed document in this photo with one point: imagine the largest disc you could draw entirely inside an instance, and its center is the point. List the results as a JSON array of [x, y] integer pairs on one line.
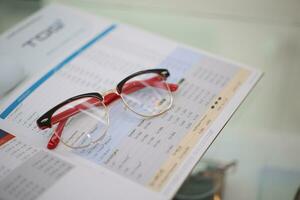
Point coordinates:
[[78, 53]]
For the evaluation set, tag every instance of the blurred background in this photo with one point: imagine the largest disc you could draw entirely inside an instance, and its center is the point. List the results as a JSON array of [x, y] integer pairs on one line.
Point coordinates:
[[263, 137]]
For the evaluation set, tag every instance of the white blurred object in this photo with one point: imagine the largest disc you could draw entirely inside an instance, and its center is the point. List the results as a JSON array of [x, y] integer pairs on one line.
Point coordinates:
[[11, 73]]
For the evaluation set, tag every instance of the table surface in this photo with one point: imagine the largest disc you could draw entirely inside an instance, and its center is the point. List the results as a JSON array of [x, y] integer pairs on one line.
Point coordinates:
[[264, 134]]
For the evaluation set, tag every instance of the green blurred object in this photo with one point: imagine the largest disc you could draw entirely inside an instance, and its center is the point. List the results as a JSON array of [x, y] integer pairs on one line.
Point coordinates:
[[206, 182], [12, 11], [283, 182]]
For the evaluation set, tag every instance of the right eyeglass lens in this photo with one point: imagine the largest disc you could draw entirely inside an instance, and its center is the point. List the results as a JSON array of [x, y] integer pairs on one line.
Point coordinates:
[[147, 95], [86, 122]]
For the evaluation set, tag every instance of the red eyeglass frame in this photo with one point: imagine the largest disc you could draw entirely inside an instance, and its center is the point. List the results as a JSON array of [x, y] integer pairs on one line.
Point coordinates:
[[96, 99]]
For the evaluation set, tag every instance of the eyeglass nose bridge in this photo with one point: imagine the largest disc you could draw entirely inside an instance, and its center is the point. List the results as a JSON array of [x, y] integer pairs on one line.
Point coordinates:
[[110, 91], [110, 96]]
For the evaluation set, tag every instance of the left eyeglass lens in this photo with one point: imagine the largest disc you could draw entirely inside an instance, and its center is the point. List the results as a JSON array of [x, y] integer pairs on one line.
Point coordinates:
[[81, 123]]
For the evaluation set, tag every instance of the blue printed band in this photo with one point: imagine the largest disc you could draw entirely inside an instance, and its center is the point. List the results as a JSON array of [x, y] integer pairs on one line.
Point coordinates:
[[44, 78]]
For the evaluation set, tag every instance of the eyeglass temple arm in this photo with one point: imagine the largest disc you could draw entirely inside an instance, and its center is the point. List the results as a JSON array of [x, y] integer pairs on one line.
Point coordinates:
[[128, 88], [54, 140], [134, 86]]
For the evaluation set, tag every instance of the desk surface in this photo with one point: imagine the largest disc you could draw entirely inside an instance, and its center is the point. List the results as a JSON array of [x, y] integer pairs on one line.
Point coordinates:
[[264, 134]]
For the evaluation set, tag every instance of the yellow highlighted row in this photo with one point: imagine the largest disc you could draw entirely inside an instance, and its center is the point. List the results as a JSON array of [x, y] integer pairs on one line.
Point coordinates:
[[192, 138]]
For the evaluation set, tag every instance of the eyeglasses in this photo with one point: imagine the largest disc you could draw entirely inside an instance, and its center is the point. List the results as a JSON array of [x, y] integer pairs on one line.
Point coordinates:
[[83, 120]]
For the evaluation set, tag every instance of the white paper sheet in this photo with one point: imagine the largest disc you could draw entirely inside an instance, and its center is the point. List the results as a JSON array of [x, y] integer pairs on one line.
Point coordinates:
[[88, 54]]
